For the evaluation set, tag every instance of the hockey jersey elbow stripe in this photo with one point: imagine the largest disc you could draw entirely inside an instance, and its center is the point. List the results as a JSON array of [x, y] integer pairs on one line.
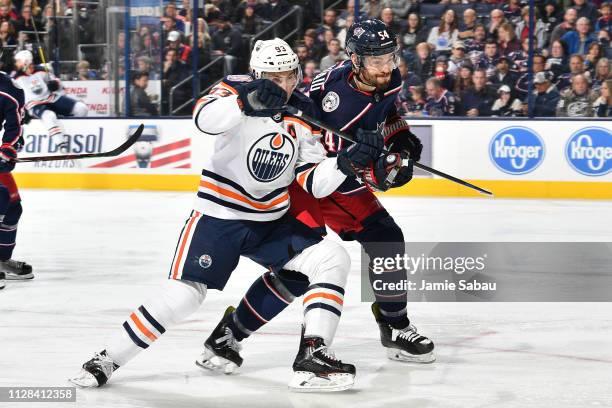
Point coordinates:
[[304, 176], [228, 87]]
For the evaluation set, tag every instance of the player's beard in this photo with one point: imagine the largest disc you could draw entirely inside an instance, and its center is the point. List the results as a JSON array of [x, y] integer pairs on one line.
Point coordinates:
[[379, 81]]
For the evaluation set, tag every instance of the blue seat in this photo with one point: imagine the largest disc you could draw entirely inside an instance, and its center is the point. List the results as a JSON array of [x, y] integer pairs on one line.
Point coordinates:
[[432, 10], [459, 8], [485, 9]]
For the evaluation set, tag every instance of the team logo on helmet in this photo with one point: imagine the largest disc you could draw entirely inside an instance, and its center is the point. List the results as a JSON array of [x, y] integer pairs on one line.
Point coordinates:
[[270, 156], [330, 102], [358, 32]]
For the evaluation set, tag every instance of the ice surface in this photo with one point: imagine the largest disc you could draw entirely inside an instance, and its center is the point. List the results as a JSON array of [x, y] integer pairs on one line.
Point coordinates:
[[97, 255]]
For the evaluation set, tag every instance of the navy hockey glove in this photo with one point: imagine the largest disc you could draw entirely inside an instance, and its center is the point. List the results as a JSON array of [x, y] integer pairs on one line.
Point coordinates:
[[367, 148], [387, 172], [261, 97], [405, 140], [8, 154], [53, 85]]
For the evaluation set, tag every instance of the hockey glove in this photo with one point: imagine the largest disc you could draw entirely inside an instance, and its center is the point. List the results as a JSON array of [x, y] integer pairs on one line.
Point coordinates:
[[405, 140], [387, 172], [261, 97], [360, 155], [8, 154], [53, 85]]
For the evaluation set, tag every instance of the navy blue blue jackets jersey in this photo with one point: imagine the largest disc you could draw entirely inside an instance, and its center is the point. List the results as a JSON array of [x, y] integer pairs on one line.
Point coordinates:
[[344, 107], [11, 110]]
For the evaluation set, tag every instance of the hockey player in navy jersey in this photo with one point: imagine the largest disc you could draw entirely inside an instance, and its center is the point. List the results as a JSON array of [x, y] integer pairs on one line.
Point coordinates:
[[354, 96], [43, 96], [11, 118], [241, 209]]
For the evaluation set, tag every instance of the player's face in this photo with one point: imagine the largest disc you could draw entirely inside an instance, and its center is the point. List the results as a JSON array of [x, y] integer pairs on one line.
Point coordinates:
[[287, 80], [377, 69]]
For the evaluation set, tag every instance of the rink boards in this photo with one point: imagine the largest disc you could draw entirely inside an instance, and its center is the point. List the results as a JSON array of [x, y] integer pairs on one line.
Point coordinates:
[[518, 159]]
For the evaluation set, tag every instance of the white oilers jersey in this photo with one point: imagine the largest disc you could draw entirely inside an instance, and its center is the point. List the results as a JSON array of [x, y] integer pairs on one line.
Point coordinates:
[[35, 87], [255, 159]]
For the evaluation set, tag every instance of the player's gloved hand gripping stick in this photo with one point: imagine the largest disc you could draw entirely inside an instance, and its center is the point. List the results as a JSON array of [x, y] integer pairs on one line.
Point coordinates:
[[392, 159]]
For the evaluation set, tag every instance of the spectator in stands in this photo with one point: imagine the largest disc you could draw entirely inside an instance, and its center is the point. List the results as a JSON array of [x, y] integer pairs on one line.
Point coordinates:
[[443, 37], [342, 34], [251, 23], [440, 101], [507, 42], [578, 41], [603, 105], [602, 73], [605, 21], [576, 65], [330, 22], [310, 41], [310, 71], [7, 34], [227, 41], [522, 83], [476, 44], [463, 81], [505, 105], [6, 14], [349, 12], [557, 62], [373, 8], [539, 30], [273, 10], [512, 11], [83, 73], [457, 59], [386, 16], [334, 55], [441, 72], [171, 13], [144, 64], [24, 22], [578, 101], [568, 24], [466, 27], [594, 54], [503, 75], [149, 49], [546, 96], [302, 53], [423, 64], [174, 71], [520, 58], [496, 20], [551, 17], [488, 61], [478, 100], [587, 10], [416, 105], [174, 42], [413, 33], [400, 8], [140, 102], [604, 38]]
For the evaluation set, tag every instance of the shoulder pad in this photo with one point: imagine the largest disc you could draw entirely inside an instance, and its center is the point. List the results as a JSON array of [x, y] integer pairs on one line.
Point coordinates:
[[227, 85], [331, 75]]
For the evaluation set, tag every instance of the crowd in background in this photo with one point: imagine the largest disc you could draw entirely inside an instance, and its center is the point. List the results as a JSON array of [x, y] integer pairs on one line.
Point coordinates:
[[458, 58]]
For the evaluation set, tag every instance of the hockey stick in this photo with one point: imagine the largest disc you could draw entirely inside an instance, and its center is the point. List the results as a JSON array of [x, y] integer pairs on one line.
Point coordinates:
[[41, 53], [296, 112], [115, 152]]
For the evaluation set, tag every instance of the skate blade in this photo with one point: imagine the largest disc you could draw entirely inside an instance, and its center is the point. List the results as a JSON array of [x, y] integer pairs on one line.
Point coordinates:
[[84, 380], [211, 361], [401, 355], [27, 276], [304, 381]]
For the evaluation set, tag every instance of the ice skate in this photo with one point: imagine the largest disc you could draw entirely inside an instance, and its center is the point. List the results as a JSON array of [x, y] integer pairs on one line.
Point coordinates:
[[16, 270], [2, 280], [404, 344], [221, 349], [316, 369], [95, 372]]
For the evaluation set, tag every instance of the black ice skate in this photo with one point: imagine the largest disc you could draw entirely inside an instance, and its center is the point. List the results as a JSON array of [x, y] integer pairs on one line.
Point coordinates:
[[221, 349], [2, 280], [316, 369], [16, 270], [404, 344], [95, 372]]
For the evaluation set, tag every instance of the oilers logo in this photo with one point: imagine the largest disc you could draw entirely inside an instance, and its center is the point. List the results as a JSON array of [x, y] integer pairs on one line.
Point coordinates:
[[270, 156], [589, 151], [516, 150]]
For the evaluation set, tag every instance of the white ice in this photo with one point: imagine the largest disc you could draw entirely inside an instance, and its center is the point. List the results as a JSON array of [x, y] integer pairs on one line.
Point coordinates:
[[98, 255]]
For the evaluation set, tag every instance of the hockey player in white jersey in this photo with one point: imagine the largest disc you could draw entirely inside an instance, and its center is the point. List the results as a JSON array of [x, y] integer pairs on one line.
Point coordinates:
[[44, 99], [241, 210]]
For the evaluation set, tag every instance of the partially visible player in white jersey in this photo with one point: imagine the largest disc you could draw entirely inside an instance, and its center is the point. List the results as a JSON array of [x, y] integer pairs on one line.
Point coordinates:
[[241, 210], [44, 98]]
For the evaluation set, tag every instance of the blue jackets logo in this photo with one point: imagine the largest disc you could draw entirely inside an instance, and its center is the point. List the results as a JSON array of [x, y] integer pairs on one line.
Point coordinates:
[[516, 150], [589, 151]]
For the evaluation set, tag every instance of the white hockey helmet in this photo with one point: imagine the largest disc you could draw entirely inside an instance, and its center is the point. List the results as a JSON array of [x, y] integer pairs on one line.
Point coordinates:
[[274, 56], [25, 57]]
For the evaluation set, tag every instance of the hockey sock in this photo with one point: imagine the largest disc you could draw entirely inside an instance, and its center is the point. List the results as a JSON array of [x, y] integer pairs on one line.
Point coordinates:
[[176, 301], [322, 310], [269, 295], [8, 227]]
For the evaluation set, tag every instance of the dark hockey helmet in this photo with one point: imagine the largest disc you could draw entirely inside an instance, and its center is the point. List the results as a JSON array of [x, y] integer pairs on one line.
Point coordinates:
[[370, 37]]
